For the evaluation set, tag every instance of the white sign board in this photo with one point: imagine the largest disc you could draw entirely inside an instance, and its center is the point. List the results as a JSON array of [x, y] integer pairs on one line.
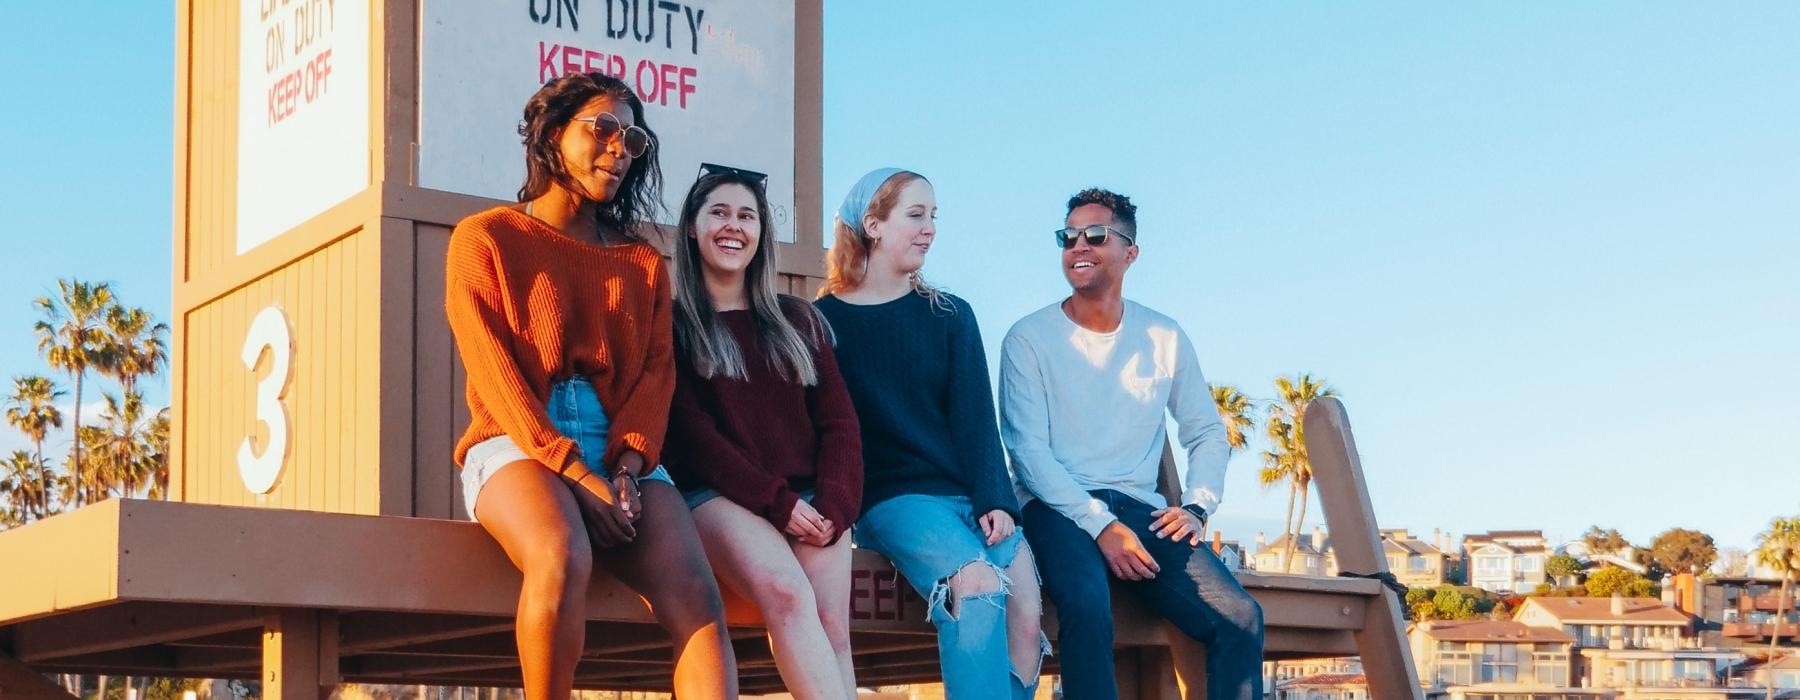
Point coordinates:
[[716, 77], [303, 112]]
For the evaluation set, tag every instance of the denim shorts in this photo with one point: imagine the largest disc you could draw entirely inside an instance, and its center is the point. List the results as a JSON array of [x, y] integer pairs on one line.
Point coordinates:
[[575, 410], [928, 538], [703, 494]]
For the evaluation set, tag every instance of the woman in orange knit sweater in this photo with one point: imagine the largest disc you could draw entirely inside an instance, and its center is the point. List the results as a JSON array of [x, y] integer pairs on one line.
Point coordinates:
[[562, 317]]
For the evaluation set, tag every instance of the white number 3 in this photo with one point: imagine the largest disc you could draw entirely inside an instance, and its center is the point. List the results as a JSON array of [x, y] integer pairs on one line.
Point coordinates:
[[268, 330]]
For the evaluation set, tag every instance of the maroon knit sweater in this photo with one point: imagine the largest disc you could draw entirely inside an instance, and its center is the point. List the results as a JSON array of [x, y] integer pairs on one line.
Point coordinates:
[[762, 440]]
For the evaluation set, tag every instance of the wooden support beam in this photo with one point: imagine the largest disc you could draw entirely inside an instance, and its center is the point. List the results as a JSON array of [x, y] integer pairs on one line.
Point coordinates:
[[20, 682], [124, 626], [1286, 643], [411, 668], [1155, 670], [1355, 536], [296, 655], [1187, 663], [373, 631]]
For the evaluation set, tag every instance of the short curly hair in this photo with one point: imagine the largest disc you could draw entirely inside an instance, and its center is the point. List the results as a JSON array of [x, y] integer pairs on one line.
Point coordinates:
[[1121, 206]]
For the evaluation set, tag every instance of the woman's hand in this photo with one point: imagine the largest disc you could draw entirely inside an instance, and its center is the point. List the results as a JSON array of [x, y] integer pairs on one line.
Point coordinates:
[[631, 500], [807, 525], [997, 525], [624, 481], [608, 525]]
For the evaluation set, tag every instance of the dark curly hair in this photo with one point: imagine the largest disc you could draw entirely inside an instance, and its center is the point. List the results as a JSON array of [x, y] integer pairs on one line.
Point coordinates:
[[1121, 206], [548, 112]]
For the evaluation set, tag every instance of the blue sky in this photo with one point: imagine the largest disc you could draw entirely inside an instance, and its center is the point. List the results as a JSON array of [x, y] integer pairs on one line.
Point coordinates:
[[1545, 251]]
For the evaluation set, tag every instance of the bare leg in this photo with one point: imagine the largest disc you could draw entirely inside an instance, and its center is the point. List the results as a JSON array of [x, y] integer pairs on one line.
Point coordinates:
[[533, 516], [1024, 615], [667, 566], [754, 559], [828, 568]]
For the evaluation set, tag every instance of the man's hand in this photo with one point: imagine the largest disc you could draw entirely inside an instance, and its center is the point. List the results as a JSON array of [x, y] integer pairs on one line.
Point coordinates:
[[1125, 554], [1178, 524]]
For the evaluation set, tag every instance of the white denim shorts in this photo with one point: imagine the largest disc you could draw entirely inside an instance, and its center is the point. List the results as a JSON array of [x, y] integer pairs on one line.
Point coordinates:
[[486, 458]]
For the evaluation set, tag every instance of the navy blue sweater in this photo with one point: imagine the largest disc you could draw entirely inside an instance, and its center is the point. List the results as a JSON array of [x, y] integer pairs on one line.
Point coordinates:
[[918, 377]]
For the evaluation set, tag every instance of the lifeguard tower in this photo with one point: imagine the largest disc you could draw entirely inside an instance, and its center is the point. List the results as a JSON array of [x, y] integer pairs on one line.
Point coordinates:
[[324, 149]]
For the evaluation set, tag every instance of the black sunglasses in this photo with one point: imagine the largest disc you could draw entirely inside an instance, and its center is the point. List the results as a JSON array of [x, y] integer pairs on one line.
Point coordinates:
[[761, 179], [1095, 234]]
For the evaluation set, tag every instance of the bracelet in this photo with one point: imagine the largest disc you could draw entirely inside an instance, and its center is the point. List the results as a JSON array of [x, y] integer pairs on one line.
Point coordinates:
[[629, 478]]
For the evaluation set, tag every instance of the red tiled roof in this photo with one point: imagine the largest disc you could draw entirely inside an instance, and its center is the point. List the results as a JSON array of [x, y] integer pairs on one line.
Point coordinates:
[[1492, 630], [1640, 610], [1319, 680]]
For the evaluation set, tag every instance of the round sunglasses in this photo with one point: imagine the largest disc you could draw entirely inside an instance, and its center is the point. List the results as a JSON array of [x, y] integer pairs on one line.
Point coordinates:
[[607, 128]]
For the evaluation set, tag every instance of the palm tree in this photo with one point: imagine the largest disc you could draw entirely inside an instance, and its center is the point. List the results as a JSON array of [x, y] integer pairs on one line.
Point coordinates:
[[1287, 437], [135, 346], [72, 336], [1779, 550], [1281, 465], [125, 444], [94, 479], [32, 409], [19, 488], [158, 454], [1234, 411]]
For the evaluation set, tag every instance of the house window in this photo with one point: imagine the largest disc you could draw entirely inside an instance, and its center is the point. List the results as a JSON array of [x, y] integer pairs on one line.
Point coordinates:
[[1490, 565], [1500, 663], [1693, 669], [1528, 563], [1787, 679], [1454, 664], [1551, 672], [1550, 664], [1416, 563]]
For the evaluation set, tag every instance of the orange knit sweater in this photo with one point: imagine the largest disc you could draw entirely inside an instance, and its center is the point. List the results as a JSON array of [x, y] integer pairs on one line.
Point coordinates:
[[530, 306]]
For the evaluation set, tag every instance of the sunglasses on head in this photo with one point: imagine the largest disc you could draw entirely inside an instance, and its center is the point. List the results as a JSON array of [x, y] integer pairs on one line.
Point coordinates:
[[607, 129], [1095, 234], [761, 180]]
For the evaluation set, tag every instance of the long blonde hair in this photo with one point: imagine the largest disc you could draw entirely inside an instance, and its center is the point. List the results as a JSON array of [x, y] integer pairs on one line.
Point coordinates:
[[847, 261], [700, 334]]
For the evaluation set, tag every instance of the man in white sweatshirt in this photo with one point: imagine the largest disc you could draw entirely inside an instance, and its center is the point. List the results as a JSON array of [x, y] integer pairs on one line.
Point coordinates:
[[1085, 387]]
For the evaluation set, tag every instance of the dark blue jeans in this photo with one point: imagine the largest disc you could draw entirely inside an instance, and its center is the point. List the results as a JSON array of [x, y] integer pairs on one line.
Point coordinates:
[[1194, 591]]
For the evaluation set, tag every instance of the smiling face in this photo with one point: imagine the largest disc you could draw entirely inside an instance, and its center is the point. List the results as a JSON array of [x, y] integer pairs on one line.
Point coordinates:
[[596, 168], [728, 230], [1097, 269], [903, 238]]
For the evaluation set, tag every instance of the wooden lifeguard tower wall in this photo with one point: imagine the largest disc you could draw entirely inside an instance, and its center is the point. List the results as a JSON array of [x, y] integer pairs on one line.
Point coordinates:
[[312, 537], [374, 396]]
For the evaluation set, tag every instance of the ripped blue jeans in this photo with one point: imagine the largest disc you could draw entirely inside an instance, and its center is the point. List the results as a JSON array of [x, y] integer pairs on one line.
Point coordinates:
[[929, 539]]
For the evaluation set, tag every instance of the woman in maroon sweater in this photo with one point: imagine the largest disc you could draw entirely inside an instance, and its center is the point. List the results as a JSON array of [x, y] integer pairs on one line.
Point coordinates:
[[763, 439]]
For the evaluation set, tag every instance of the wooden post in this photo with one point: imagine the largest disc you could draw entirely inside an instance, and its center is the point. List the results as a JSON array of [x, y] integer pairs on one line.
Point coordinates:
[[1125, 671], [1156, 676], [1344, 496], [19, 682], [1186, 657], [299, 663]]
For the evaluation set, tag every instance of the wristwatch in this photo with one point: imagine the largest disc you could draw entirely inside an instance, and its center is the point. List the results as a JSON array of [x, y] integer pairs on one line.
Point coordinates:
[[1197, 511]]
